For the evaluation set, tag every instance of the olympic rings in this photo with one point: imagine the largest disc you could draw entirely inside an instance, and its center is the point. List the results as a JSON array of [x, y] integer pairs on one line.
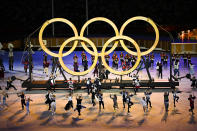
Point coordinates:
[[138, 55], [144, 19], [119, 36], [57, 20], [99, 19], [64, 66]]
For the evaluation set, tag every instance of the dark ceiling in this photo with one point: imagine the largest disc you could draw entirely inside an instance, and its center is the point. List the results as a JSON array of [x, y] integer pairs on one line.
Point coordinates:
[[21, 17]]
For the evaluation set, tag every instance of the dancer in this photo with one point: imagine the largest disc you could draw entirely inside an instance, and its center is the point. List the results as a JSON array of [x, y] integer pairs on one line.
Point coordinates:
[[48, 97], [194, 82], [89, 85], [175, 97], [46, 67], [27, 105], [133, 60], [92, 58], [93, 96], [116, 62], [185, 59], [129, 102], [191, 100], [22, 96], [166, 100], [115, 105], [162, 58], [124, 97], [173, 58], [147, 94], [75, 58], [191, 69], [152, 59], [121, 58], [160, 70], [52, 82], [96, 70], [189, 58], [5, 96], [70, 85], [9, 84], [100, 97], [79, 106], [166, 60], [11, 56], [176, 68], [70, 103], [126, 59], [53, 104], [107, 57], [26, 64], [144, 104], [136, 85]]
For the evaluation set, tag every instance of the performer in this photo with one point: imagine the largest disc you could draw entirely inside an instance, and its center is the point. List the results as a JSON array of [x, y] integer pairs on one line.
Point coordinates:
[[70, 85], [185, 59], [113, 59], [46, 67], [96, 70], [116, 62], [114, 98], [48, 97], [1, 72], [89, 85], [11, 56], [144, 104], [121, 58], [166, 60], [129, 59], [79, 106], [26, 64], [129, 102], [75, 58], [9, 84], [5, 96], [133, 60], [93, 96], [166, 100], [85, 64], [52, 82], [152, 57], [124, 97], [22, 96], [97, 84], [27, 105], [189, 58], [160, 70], [191, 69], [70, 103], [147, 94], [176, 68], [173, 58], [83, 57], [92, 58], [100, 97], [194, 82], [124, 66], [53, 104], [162, 58], [137, 85], [191, 100], [126, 59], [107, 72], [107, 57], [175, 97]]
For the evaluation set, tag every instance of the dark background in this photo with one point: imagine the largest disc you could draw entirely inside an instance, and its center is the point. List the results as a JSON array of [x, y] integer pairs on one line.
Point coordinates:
[[21, 17]]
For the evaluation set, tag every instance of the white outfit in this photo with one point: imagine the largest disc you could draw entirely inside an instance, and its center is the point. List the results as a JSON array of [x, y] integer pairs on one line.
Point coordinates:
[[53, 106]]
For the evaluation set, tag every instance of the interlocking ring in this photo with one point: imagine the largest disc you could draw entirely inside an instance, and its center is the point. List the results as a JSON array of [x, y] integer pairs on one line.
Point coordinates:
[[118, 36], [61, 55], [144, 19], [104, 20], [52, 21]]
